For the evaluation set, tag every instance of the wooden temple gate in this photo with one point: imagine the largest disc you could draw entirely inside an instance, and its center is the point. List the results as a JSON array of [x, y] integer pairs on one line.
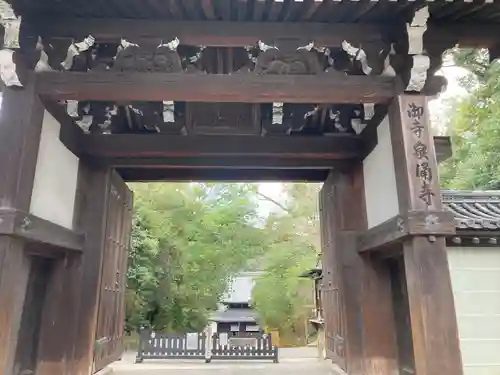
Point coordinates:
[[99, 92]]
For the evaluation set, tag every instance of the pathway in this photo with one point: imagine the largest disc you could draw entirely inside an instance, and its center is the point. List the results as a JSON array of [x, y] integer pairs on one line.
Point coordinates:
[[296, 361]]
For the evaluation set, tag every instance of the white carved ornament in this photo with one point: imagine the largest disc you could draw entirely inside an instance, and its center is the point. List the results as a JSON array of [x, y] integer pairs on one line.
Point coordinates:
[[357, 54], [11, 24], [421, 62]]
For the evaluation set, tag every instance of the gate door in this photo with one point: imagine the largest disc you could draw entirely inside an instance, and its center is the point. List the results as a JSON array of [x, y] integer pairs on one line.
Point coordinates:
[[331, 283], [111, 312]]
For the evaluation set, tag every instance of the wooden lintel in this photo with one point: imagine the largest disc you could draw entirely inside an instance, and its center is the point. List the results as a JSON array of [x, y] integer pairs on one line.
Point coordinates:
[[415, 223], [247, 88], [222, 174], [225, 162], [207, 33], [31, 228], [336, 147]]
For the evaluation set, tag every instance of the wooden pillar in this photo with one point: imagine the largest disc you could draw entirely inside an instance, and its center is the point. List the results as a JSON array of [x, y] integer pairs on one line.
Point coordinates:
[[21, 118], [432, 311], [365, 305], [90, 218]]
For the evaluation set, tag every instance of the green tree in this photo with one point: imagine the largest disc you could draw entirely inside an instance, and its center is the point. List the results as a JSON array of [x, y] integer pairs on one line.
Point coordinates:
[[187, 241], [476, 127], [280, 295]]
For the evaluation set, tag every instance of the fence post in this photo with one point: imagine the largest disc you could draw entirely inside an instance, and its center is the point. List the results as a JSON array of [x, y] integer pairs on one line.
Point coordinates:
[[208, 345], [140, 351]]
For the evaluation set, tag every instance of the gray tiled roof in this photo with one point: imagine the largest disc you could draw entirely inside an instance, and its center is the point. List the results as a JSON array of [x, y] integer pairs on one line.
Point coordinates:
[[240, 288], [235, 315], [475, 210]]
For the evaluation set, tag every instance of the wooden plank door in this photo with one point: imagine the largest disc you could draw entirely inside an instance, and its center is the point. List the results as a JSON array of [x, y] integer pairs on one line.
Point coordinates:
[[111, 312], [331, 284]]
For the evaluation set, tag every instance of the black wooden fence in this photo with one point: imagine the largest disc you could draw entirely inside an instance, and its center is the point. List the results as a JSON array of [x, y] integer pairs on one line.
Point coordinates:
[[249, 348], [154, 345], [194, 346]]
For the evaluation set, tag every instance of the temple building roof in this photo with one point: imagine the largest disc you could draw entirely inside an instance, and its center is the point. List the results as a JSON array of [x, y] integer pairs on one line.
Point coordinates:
[[345, 11], [474, 210]]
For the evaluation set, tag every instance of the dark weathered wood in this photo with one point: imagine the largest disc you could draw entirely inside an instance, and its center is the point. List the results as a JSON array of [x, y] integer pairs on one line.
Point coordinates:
[[14, 272], [433, 318], [430, 296], [34, 229], [61, 324], [159, 145], [20, 128], [248, 88], [209, 33], [218, 174], [427, 223], [414, 154], [109, 332], [59, 318], [95, 184], [233, 162], [29, 332], [365, 291]]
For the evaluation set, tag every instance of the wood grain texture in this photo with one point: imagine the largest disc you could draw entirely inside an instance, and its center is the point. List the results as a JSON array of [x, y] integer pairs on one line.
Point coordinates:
[[340, 146], [210, 33], [430, 296], [20, 128], [413, 147], [248, 88], [426, 223], [95, 183], [432, 309], [34, 229], [365, 290], [14, 273]]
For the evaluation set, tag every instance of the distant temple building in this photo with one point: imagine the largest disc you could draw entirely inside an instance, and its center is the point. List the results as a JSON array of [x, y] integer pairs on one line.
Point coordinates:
[[235, 316]]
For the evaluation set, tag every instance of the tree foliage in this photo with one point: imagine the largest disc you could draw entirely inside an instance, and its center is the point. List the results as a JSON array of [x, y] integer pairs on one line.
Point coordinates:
[[476, 127], [281, 296], [187, 241]]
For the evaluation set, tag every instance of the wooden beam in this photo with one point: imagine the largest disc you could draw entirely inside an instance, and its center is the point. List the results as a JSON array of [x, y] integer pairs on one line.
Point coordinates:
[[248, 88], [435, 341], [226, 175], [207, 33], [429, 223], [20, 128], [224, 162], [338, 147], [34, 229]]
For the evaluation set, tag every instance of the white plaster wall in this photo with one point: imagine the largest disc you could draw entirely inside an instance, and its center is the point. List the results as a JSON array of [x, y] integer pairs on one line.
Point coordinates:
[[53, 196], [380, 179], [475, 278]]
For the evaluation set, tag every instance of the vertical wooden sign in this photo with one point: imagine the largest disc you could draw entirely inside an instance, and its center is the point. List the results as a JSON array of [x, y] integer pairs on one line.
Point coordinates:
[[414, 155], [434, 329]]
